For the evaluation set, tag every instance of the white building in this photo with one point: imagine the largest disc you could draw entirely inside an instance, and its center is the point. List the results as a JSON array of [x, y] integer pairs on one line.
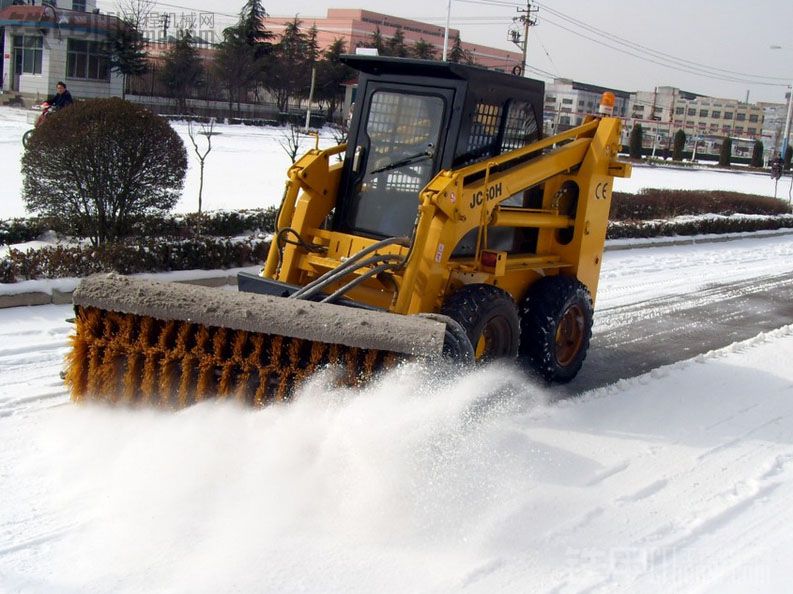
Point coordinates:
[[44, 44]]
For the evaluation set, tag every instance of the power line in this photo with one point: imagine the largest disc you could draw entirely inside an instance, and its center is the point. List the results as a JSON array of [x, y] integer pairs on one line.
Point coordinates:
[[650, 51]]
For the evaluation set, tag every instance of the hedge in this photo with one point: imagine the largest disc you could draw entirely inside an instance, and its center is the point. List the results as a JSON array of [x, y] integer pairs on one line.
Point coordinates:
[[153, 255]]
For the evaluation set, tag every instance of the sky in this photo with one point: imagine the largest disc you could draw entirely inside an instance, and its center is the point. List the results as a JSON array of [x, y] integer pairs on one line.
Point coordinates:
[[713, 39]]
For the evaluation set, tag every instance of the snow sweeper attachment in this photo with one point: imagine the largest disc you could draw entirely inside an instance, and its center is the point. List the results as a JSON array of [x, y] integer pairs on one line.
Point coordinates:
[[450, 229]]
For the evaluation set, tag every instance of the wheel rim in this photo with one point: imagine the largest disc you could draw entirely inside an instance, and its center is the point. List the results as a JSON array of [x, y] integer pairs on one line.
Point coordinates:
[[569, 335], [489, 345]]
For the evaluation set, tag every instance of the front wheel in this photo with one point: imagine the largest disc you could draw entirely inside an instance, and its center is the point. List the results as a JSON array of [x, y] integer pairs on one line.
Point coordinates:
[[556, 327], [489, 317], [26, 137]]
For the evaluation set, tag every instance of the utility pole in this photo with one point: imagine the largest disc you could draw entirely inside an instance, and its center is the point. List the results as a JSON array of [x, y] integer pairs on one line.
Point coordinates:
[[521, 38], [446, 30]]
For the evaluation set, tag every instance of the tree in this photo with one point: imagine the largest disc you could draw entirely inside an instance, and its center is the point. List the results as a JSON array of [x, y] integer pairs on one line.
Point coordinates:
[[100, 163], [136, 12], [635, 142], [182, 69], [788, 157], [457, 54], [290, 67], [240, 60], [252, 30], [679, 145], [235, 67], [126, 52], [331, 75], [395, 46], [423, 50], [208, 131], [757, 154], [725, 153], [376, 41]]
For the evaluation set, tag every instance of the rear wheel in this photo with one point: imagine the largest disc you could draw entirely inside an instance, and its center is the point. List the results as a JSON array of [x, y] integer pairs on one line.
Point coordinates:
[[489, 317], [556, 326]]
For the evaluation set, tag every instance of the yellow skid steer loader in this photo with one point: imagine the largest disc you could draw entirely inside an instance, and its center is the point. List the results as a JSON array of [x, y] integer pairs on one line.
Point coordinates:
[[451, 229]]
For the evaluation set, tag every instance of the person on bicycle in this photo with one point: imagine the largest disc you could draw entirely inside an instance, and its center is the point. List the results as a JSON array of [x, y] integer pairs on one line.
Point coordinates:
[[62, 97]]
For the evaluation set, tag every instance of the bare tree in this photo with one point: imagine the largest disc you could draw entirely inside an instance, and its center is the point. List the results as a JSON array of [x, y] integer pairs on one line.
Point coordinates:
[[291, 140], [207, 131], [136, 12]]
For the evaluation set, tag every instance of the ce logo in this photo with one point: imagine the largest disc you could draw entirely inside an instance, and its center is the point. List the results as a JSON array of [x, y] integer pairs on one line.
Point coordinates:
[[600, 191]]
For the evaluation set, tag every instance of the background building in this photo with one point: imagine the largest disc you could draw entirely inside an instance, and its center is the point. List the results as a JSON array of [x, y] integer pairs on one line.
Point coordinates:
[[42, 44], [567, 102], [356, 26]]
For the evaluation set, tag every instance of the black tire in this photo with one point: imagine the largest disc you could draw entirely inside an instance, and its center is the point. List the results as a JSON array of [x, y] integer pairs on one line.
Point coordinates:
[[457, 347], [489, 317], [26, 137], [556, 327]]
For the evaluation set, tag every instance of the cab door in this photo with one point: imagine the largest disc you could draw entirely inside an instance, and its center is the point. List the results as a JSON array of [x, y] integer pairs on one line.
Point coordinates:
[[396, 151]]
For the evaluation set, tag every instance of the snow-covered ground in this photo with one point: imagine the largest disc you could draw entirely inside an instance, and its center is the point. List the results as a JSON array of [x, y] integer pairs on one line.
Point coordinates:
[[680, 480], [676, 481]]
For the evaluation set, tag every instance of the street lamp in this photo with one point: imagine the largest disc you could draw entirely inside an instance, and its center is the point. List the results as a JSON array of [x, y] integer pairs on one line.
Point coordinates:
[[789, 111]]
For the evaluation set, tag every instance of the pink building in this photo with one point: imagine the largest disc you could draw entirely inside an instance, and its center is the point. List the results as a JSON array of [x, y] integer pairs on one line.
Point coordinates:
[[356, 26]]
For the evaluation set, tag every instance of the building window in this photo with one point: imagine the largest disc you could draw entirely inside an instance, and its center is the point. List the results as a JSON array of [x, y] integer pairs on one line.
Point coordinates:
[[567, 101], [703, 113], [727, 115], [680, 110], [78, 5], [32, 50], [753, 117], [692, 111], [740, 117], [715, 115], [739, 129], [752, 131], [86, 59]]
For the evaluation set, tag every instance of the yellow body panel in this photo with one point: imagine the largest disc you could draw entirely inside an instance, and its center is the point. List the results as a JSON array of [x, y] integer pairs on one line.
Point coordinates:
[[570, 237]]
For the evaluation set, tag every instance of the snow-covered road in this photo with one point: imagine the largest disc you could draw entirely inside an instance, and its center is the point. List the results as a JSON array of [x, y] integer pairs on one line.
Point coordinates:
[[680, 480]]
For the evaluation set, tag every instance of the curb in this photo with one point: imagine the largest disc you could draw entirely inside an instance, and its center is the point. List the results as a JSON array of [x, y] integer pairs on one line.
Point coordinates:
[[58, 297], [696, 240]]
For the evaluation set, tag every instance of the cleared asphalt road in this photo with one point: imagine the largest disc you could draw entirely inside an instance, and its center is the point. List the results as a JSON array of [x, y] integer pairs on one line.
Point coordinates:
[[634, 339]]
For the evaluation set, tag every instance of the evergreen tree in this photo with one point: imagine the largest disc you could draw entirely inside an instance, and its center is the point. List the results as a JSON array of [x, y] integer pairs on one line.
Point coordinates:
[[182, 69], [679, 145], [251, 27], [423, 50], [331, 75], [290, 68], [235, 66], [635, 142], [725, 153], [457, 54], [788, 157], [757, 154], [376, 41], [126, 52], [396, 45]]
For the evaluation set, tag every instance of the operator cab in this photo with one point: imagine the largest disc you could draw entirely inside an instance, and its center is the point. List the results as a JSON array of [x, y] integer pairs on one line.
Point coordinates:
[[413, 118]]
